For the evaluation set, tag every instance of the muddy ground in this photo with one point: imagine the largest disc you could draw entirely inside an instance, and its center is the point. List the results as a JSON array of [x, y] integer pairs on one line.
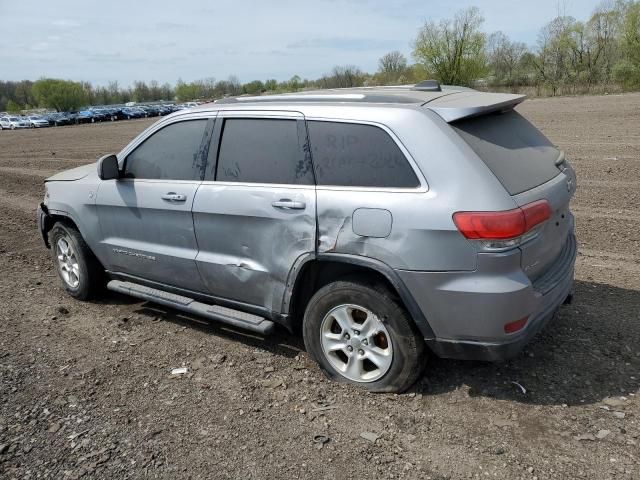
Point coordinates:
[[86, 391]]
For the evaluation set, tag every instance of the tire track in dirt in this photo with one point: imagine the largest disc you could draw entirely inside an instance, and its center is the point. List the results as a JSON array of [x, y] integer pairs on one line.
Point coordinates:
[[29, 172]]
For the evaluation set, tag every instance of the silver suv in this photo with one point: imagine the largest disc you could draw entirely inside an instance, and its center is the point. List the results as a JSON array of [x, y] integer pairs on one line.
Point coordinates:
[[383, 222]]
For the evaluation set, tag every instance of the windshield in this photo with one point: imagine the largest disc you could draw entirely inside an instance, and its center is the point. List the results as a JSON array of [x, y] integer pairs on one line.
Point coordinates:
[[14, 119]]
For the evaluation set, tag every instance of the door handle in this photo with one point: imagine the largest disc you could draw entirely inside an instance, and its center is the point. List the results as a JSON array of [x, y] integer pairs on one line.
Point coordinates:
[[174, 197], [289, 204]]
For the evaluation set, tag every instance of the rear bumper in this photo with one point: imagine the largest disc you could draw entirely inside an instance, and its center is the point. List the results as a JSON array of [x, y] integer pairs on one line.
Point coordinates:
[[468, 310]]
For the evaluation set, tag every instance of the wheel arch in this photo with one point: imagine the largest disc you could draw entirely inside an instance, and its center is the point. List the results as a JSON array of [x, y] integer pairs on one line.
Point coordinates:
[[49, 218], [312, 272]]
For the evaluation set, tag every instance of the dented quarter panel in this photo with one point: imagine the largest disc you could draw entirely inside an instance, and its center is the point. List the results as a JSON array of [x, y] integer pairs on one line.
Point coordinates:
[[423, 236]]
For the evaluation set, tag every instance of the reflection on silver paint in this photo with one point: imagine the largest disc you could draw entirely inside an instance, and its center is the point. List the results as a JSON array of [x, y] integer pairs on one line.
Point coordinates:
[[135, 218]]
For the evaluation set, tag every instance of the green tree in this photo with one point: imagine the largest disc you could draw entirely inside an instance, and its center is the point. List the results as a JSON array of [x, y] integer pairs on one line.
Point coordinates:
[[186, 91], [631, 34], [253, 88], [453, 49], [13, 107], [271, 85], [62, 95]]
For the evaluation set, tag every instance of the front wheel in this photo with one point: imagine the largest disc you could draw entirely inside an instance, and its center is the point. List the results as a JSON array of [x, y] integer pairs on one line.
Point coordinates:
[[360, 334], [77, 267]]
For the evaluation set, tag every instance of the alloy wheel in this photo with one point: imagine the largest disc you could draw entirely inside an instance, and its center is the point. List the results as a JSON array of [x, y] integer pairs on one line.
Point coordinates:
[[68, 263], [356, 343]]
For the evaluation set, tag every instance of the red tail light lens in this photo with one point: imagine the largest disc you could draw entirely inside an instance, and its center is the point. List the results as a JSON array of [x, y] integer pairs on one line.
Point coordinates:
[[512, 327], [536, 213], [502, 225]]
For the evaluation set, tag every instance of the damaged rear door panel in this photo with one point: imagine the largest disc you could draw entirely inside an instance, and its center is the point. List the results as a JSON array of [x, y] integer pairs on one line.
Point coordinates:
[[255, 213]]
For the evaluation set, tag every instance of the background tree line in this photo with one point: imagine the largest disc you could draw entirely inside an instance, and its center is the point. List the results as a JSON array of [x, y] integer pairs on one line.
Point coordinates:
[[597, 55]]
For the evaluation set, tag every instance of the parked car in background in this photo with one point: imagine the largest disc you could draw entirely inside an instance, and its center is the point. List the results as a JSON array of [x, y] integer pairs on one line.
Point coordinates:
[[12, 122], [150, 110], [60, 118], [101, 115], [133, 112], [116, 113], [36, 121], [85, 116], [333, 213]]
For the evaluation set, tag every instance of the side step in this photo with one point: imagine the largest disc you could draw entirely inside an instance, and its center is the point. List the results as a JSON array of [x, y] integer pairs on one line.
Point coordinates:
[[229, 316]]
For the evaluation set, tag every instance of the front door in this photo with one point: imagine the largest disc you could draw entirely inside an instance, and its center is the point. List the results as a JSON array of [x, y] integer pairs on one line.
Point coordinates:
[[255, 213], [145, 217]]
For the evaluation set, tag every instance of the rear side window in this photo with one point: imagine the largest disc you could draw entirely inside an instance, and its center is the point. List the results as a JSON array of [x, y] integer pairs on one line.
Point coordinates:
[[357, 155], [262, 151], [517, 153], [173, 153]]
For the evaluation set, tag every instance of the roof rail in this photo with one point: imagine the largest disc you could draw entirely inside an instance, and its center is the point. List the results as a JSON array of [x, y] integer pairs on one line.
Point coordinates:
[[427, 86], [327, 97]]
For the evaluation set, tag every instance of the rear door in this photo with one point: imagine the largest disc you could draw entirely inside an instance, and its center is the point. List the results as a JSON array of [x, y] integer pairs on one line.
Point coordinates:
[[145, 218], [255, 213]]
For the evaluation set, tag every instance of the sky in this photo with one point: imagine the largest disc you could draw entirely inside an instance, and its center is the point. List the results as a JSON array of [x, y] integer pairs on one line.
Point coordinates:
[[167, 40]]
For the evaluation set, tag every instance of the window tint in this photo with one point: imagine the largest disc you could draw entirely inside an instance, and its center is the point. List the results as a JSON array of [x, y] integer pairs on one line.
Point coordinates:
[[262, 151], [517, 153], [174, 153], [355, 155]]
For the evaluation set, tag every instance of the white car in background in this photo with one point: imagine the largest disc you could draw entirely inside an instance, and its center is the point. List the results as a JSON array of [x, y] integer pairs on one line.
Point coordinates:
[[36, 121], [11, 122]]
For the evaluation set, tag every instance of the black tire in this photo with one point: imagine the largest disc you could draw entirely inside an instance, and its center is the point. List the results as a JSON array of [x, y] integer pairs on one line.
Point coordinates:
[[409, 351], [90, 272]]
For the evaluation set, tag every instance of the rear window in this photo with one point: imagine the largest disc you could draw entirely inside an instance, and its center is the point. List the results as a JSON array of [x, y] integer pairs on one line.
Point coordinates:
[[517, 153], [357, 155]]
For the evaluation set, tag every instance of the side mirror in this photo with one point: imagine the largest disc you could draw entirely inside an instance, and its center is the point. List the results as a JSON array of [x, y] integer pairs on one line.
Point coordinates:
[[108, 167]]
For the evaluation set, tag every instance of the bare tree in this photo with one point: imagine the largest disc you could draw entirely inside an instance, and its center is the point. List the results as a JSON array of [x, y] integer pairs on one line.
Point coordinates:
[[505, 58], [392, 63]]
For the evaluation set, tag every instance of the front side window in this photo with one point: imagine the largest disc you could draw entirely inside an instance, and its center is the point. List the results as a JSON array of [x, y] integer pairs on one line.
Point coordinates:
[[358, 155], [262, 151], [173, 153]]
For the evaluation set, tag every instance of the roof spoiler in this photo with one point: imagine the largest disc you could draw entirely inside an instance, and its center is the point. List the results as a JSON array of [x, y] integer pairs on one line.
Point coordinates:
[[459, 105]]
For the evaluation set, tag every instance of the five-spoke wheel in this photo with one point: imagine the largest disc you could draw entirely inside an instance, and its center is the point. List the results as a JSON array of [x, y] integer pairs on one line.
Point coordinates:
[[359, 333], [67, 262], [356, 343]]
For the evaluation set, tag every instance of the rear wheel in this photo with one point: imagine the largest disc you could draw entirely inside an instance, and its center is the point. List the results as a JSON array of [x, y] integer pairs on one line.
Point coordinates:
[[360, 334], [81, 273]]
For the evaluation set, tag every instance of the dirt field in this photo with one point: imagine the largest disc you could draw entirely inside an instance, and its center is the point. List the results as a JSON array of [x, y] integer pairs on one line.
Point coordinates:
[[86, 391]]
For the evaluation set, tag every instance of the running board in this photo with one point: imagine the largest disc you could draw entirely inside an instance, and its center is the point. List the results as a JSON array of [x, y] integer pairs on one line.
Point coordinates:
[[229, 316]]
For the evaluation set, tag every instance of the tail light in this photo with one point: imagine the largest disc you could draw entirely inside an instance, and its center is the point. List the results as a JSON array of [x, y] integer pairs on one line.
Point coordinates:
[[505, 229], [516, 326]]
